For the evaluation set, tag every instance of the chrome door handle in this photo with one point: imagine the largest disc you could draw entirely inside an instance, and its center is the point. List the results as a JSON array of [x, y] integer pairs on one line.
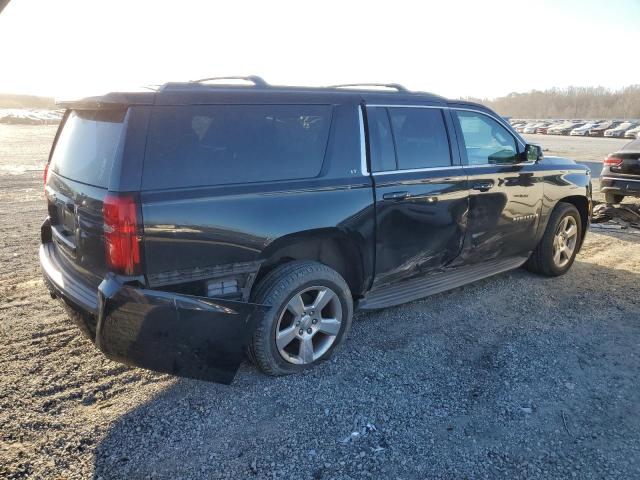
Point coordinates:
[[396, 196]]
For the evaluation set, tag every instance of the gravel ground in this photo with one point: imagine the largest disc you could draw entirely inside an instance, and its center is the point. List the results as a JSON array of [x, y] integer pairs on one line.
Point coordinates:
[[516, 376]]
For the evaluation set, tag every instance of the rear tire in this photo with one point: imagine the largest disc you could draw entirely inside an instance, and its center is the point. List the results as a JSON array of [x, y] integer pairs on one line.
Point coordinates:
[[610, 197], [310, 317], [559, 245]]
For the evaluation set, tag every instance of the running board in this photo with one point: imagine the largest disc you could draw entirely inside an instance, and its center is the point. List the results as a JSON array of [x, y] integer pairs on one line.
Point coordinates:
[[415, 288]]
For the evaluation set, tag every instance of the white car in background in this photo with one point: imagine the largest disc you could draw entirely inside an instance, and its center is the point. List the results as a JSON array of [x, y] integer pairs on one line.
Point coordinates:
[[632, 132], [531, 128], [583, 130], [620, 130], [520, 128]]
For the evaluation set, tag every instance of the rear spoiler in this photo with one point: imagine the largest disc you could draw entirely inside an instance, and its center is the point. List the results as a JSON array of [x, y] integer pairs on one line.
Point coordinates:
[[108, 101]]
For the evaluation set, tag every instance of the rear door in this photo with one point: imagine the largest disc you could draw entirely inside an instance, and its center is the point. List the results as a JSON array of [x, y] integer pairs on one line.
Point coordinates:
[[87, 147], [421, 192]]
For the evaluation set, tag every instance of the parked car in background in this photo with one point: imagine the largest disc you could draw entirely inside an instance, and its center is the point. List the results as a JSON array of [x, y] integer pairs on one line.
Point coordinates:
[[529, 126], [620, 175], [564, 128], [189, 225], [632, 132], [534, 127], [620, 130], [545, 129], [598, 130], [583, 130]]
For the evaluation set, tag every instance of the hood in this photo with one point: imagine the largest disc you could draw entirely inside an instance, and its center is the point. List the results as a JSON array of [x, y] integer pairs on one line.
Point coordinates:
[[562, 161]]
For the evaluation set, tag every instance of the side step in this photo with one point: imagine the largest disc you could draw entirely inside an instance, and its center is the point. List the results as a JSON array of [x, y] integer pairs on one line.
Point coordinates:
[[415, 288]]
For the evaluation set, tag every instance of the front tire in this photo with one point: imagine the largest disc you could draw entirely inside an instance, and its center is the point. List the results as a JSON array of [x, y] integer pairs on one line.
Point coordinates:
[[310, 317], [610, 197], [559, 245]]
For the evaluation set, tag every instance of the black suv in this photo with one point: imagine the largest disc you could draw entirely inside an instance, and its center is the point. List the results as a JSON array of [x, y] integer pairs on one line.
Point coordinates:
[[195, 224]]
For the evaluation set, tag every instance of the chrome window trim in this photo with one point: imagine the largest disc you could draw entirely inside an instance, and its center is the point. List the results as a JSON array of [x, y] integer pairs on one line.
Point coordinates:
[[446, 107], [443, 107], [485, 165], [363, 146], [412, 170]]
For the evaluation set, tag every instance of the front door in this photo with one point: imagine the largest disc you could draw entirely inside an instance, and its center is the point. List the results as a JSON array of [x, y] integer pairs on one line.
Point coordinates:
[[505, 193], [420, 191]]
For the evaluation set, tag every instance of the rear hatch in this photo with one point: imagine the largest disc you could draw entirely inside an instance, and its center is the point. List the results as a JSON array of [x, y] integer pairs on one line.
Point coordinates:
[[625, 161], [87, 147], [630, 164]]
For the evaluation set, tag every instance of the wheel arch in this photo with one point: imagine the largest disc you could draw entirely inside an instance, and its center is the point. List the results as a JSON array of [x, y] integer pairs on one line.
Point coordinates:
[[330, 246], [583, 205]]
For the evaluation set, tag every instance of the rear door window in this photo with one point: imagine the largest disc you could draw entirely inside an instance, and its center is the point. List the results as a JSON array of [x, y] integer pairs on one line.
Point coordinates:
[[202, 145], [420, 137], [87, 146], [383, 156]]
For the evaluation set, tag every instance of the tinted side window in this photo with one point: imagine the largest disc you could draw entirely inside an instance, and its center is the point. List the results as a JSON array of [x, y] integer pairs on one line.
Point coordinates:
[[222, 144], [485, 140], [420, 137], [87, 146], [383, 156]]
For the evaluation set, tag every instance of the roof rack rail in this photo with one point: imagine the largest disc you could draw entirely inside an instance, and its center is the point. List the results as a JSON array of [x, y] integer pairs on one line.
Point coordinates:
[[396, 86], [257, 81]]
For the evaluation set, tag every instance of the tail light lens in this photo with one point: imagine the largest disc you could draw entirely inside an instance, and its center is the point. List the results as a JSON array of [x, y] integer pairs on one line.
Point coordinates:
[[612, 160], [121, 226]]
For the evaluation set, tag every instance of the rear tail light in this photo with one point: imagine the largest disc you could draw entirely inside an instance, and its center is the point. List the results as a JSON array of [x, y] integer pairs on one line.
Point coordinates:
[[121, 227], [612, 160]]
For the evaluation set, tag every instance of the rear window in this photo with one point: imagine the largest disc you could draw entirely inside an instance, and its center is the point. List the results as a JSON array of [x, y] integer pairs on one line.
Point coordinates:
[[221, 144], [87, 146]]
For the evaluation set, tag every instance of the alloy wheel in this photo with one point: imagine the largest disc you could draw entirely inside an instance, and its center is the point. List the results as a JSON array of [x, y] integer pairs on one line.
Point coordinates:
[[565, 241], [308, 325]]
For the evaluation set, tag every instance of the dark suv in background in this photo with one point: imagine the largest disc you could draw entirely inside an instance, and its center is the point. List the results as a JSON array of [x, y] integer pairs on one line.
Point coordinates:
[[196, 223], [620, 176]]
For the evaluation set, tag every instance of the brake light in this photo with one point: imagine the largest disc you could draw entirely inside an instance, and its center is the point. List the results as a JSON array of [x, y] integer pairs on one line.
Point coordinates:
[[612, 160], [120, 213]]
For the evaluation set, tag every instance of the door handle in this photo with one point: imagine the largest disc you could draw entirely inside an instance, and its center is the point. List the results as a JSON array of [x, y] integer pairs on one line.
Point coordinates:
[[482, 186], [396, 196]]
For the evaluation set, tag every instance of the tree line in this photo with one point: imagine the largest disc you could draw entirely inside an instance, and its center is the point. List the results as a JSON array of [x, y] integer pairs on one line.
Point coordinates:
[[8, 100], [571, 102]]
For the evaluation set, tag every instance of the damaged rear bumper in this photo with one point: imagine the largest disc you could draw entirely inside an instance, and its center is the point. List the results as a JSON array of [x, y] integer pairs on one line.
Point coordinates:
[[196, 337]]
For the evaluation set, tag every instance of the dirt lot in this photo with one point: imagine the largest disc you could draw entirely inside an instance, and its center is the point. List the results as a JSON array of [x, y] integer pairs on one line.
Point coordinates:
[[516, 376]]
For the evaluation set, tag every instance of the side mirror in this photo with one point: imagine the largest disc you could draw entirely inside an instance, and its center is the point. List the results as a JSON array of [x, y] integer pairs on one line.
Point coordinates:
[[533, 153]]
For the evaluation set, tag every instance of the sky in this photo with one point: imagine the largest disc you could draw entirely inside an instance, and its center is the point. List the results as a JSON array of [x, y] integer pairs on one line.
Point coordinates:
[[483, 48]]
